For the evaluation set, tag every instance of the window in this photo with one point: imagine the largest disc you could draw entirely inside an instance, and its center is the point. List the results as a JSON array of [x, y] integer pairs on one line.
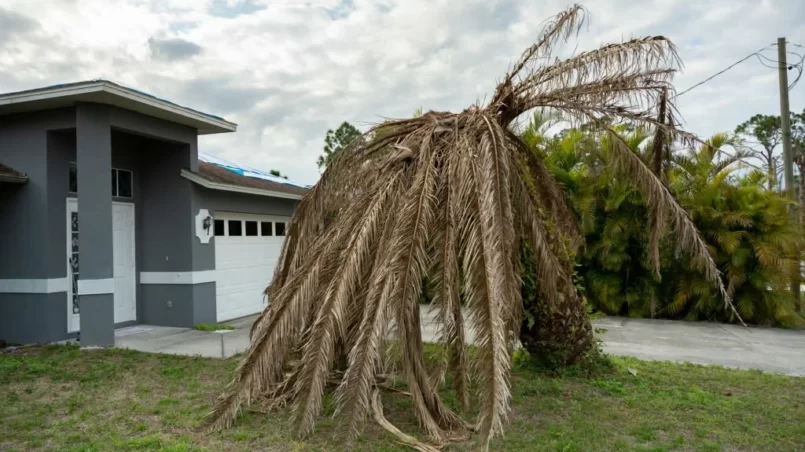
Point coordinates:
[[122, 182], [219, 228], [280, 228], [73, 187], [265, 229], [251, 228], [235, 228]]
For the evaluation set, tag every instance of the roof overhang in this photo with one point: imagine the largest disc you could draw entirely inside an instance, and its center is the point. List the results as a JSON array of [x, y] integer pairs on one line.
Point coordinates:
[[193, 177], [106, 92], [13, 179]]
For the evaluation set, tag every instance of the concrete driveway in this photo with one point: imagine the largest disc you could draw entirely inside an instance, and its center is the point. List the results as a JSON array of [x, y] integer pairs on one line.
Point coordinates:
[[767, 349]]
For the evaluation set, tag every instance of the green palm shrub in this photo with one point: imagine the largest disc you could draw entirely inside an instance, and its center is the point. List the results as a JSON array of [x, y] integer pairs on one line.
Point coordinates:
[[749, 233], [747, 230]]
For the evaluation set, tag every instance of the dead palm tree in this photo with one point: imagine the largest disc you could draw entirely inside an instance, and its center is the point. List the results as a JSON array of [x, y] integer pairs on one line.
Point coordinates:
[[451, 196]]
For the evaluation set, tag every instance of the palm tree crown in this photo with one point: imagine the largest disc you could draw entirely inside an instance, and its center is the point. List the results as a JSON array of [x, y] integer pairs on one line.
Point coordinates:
[[450, 196]]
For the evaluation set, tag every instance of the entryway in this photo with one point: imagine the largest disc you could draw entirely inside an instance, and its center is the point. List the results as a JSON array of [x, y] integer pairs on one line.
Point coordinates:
[[124, 263]]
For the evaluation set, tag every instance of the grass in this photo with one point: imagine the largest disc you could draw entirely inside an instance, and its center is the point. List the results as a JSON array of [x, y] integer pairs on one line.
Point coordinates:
[[63, 398], [213, 327]]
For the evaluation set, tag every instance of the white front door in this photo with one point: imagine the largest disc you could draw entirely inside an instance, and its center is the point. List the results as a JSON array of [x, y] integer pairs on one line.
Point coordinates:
[[124, 263], [124, 271], [247, 248]]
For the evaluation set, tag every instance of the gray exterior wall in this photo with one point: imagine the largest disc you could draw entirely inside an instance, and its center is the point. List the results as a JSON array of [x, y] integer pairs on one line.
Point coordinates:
[[33, 217], [182, 305], [227, 201], [25, 219], [33, 317], [26, 226], [169, 243], [33, 221]]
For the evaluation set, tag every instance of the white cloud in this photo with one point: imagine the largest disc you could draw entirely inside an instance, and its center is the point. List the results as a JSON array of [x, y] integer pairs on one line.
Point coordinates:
[[287, 70]]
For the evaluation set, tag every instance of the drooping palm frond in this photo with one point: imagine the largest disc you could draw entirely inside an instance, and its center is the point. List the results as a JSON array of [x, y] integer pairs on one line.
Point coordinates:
[[451, 196]]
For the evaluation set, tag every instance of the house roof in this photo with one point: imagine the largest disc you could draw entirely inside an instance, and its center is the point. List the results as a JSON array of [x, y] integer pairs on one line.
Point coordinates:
[[106, 92], [216, 177], [10, 175]]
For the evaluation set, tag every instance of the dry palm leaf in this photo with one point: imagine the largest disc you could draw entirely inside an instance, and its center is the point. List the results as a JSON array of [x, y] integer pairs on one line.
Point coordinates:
[[451, 196]]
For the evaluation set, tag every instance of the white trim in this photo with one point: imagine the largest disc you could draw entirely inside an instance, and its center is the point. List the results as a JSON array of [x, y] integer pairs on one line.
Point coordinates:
[[96, 286], [196, 277], [53, 285], [73, 320], [104, 86], [193, 177]]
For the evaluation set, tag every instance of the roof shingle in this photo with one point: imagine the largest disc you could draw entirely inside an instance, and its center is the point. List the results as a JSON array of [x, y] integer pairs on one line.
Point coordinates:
[[220, 175]]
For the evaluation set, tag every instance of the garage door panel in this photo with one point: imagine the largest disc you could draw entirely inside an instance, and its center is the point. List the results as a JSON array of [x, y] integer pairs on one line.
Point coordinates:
[[235, 280], [244, 267]]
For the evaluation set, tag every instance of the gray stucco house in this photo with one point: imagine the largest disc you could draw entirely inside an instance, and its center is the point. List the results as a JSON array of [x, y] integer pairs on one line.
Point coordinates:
[[171, 240]]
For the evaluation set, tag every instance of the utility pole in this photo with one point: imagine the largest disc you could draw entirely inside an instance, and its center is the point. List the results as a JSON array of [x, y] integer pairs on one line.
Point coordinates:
[[788, 161]]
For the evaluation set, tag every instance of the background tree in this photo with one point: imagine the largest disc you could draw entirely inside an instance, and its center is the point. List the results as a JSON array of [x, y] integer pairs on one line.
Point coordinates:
[[764, 130], [336, 141], [277, 173]]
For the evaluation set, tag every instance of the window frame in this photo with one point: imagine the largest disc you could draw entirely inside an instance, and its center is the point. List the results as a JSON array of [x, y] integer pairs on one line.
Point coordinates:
[[215, 225], [270, 224], [265, 223], [117, 179], [115, 189], [256, 225], [229, 222]]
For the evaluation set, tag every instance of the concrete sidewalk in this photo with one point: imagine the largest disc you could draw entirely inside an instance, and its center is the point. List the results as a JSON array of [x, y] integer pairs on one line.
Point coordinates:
[[185, 341], [767, 349]]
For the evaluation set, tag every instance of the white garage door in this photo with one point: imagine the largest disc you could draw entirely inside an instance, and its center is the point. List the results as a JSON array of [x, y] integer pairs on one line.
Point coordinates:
[[247, 248]]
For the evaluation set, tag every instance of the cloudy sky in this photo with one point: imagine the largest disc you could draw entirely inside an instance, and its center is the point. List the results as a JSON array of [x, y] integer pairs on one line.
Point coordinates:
[[287, 70]]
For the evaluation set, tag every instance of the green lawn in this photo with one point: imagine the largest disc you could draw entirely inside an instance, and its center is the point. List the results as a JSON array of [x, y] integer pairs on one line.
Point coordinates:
[[213, 327], [61, 398]]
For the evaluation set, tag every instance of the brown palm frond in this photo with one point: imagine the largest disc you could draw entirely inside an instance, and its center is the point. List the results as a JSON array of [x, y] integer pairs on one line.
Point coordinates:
[[548, 194], [452, 198], [447, 301]]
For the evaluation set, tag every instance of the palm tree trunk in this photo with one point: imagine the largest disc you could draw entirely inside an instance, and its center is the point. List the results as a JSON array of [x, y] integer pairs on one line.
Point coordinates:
[[559, 333], [658, 155]]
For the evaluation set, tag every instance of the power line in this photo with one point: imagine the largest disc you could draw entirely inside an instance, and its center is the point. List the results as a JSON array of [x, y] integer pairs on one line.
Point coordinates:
[[725, 70], [800, 66]]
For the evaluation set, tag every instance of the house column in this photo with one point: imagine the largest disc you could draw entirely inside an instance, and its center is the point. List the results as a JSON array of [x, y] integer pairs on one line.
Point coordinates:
[[96, 271]]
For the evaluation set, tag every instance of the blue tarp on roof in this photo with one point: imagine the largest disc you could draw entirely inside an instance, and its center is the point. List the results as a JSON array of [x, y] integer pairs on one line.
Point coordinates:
[[245, 170]]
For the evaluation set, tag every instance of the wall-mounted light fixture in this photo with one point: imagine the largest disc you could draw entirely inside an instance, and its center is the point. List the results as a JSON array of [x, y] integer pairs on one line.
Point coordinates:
[[204, 223], [207, 224]]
